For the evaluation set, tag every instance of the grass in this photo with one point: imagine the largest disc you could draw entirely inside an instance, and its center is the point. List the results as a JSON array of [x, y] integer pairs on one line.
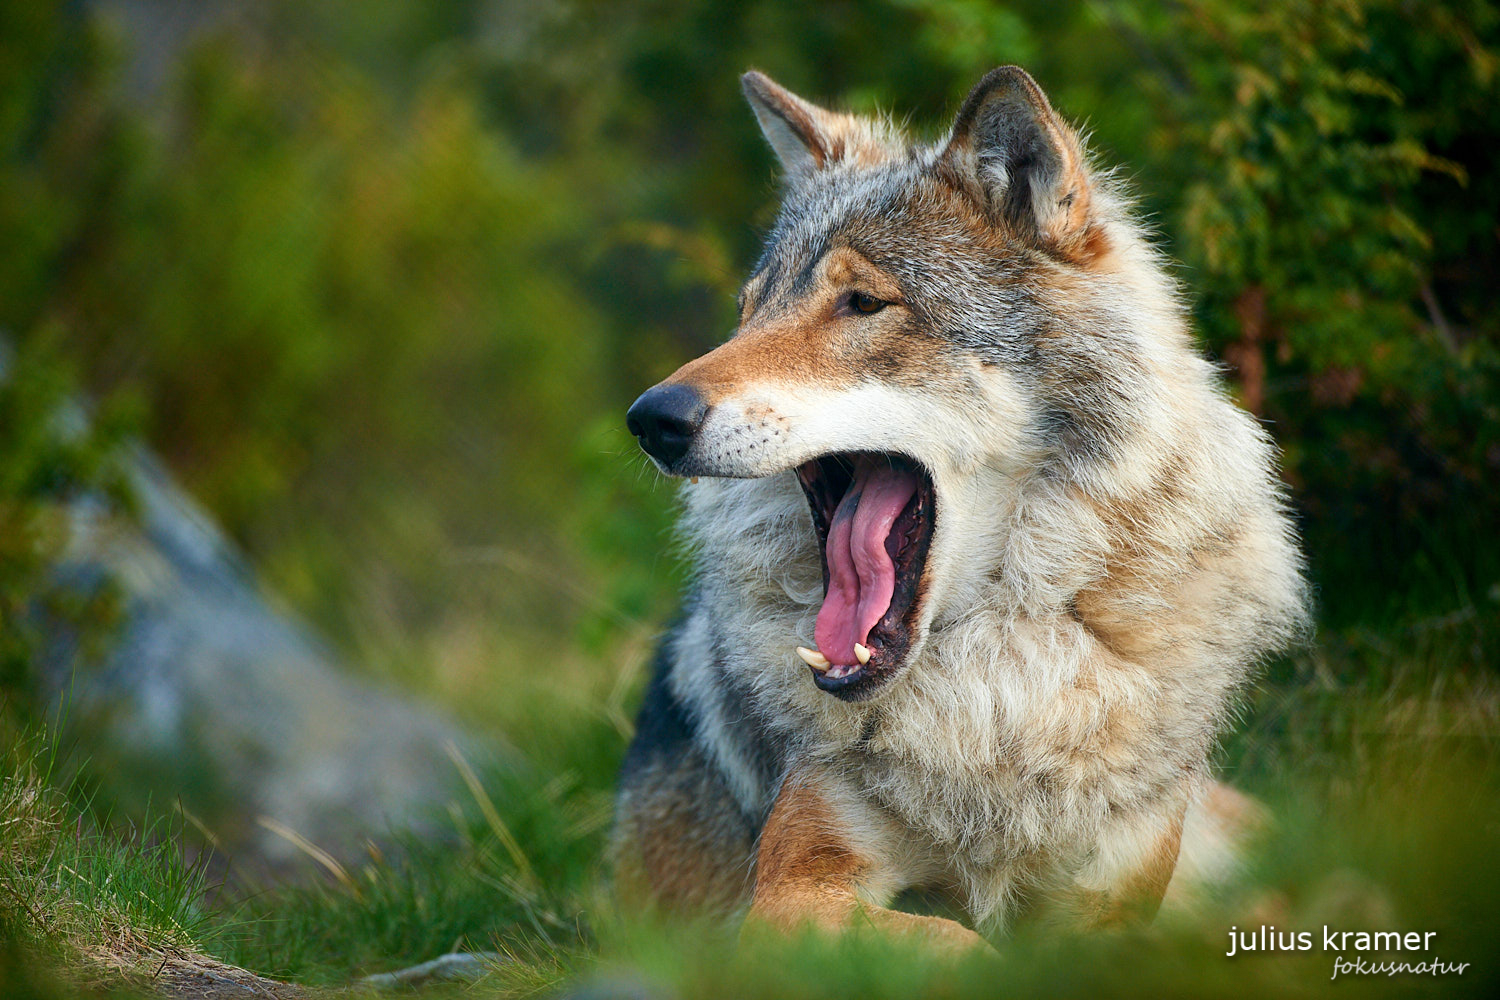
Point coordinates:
[[427, 899], [1377, 750], [79, 895]]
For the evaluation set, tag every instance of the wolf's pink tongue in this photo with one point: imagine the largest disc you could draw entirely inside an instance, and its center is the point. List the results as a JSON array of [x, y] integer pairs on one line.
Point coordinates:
[[861, 576]]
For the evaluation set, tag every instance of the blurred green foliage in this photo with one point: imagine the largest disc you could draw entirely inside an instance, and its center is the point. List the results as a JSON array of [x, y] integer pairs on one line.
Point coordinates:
[[51, 455], [386, 274], [1344, 217]]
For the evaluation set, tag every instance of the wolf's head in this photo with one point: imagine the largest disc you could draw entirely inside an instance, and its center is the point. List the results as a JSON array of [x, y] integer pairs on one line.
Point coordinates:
[[927, 323]]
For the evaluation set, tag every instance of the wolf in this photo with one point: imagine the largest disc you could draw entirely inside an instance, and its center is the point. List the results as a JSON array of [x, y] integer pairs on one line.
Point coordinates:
[[983, 550]]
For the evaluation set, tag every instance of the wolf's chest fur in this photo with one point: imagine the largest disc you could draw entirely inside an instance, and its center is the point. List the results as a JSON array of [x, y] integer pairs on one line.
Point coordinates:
[[1007, 741]]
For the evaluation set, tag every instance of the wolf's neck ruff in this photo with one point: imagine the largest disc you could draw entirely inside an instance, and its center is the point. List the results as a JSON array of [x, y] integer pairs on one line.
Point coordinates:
[[861, 551]]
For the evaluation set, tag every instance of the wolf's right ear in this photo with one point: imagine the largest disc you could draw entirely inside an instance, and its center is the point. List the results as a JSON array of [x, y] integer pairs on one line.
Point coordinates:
[[796, 129], [1027, 161]]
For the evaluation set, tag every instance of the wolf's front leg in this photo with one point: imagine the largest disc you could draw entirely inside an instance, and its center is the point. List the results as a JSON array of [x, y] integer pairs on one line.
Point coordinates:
[[1126, 876], [822, 860]]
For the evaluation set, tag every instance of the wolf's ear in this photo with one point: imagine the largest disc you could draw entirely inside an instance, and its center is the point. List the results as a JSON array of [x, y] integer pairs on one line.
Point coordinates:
[[797, 130], [1026, 160]]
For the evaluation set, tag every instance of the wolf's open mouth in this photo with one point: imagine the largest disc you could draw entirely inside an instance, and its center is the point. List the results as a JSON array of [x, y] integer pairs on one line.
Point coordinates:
[[874, 515]]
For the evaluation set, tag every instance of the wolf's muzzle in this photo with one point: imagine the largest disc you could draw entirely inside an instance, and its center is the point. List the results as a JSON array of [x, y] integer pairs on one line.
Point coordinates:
[[664, 420]]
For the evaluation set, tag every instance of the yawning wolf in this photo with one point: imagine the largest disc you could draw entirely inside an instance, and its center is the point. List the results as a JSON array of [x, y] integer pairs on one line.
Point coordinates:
[[983, 550]]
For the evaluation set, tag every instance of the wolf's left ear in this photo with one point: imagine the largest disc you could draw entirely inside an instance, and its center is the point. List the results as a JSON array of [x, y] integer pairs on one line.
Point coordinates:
[[796, 129], [1027, 161]]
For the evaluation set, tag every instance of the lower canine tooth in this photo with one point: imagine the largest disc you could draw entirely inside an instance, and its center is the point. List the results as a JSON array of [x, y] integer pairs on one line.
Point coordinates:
[[862, 654], [813, 658]]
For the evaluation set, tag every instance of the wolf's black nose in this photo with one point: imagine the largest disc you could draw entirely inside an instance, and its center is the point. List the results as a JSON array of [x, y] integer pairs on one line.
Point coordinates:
[[665, 419]]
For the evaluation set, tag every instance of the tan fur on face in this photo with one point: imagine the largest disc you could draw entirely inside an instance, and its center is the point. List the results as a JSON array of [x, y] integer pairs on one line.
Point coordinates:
[[811, 338]]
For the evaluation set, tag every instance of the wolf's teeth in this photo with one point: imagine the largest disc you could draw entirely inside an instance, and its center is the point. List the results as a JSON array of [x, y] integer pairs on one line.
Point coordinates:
[[814, 659], [862, 654]]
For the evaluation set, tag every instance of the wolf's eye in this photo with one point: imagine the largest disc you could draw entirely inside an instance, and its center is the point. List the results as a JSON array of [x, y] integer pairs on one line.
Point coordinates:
[[866, 303]]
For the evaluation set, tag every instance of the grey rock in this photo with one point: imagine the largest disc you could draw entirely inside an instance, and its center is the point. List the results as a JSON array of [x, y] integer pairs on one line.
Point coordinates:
[[237, 699], [455, 967], [210, 697]]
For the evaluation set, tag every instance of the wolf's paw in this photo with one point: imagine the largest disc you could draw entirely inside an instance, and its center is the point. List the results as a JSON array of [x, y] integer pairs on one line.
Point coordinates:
[[938, 933]]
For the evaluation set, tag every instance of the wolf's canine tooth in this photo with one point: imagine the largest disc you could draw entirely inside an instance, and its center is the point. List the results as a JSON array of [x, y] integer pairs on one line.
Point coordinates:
[[862, 654], [814, 659]]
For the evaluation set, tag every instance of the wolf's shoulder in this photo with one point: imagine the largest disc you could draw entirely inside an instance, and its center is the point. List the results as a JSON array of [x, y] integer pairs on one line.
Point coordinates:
[[664, 724]]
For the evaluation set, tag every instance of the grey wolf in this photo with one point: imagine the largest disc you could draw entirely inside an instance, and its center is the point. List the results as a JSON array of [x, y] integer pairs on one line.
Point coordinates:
[[984, 551]]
